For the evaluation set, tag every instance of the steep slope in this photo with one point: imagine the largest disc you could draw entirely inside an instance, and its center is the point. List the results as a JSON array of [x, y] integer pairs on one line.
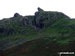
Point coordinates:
[[43, 28]]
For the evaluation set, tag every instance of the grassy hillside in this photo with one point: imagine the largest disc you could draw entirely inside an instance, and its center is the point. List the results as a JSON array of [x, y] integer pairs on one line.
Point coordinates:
[[42, 34]]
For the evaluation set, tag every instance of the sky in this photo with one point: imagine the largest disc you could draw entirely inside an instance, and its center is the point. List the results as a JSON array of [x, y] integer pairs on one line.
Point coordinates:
[[29, 7]]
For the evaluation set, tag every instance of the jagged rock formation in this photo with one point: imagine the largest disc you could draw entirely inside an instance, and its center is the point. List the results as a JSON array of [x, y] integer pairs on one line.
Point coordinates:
[[40, 20]]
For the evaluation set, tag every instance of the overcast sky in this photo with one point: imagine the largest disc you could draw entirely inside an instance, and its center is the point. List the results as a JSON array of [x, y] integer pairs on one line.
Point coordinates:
[[28, 7]]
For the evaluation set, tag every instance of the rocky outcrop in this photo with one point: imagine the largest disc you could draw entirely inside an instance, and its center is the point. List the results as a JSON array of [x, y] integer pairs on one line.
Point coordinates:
[[39, 9], [16, 14], [44, 18], [40, 20]]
